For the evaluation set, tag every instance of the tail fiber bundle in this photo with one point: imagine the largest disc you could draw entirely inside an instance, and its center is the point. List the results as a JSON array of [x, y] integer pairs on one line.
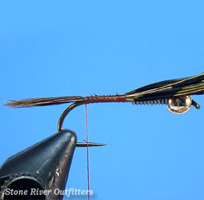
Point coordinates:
[[43, 101]]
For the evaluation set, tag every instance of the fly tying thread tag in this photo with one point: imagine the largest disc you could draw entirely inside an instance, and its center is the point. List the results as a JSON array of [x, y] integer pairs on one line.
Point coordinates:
[[87, 141]]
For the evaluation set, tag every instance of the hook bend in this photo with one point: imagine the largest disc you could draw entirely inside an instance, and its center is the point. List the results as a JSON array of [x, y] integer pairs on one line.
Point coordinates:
[[61, 120]]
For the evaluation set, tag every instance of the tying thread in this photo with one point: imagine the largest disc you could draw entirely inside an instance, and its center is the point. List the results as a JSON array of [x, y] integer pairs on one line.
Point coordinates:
[[87, 140]]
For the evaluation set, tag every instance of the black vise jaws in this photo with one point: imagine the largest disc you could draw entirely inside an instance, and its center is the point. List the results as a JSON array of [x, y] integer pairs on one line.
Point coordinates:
[[40, 171]]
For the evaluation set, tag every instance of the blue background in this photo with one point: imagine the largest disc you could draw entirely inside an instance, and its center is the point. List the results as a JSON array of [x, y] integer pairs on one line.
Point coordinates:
[[58, 48]]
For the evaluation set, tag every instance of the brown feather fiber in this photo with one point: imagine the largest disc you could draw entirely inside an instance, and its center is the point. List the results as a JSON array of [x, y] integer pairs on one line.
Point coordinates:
[[43, 101]]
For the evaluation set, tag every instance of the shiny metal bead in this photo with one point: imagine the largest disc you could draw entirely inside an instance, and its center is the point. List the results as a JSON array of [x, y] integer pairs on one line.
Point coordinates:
[[179, 105]]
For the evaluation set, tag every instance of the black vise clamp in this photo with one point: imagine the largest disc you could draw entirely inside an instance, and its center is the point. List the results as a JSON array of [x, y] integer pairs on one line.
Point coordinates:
[[40, 171]]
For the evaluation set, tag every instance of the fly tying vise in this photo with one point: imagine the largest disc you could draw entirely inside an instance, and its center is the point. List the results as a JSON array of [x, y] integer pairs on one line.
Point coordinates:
[[176, 93]]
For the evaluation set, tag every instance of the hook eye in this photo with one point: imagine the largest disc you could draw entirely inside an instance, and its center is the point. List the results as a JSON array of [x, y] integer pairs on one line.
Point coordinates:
[[195, 104]]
